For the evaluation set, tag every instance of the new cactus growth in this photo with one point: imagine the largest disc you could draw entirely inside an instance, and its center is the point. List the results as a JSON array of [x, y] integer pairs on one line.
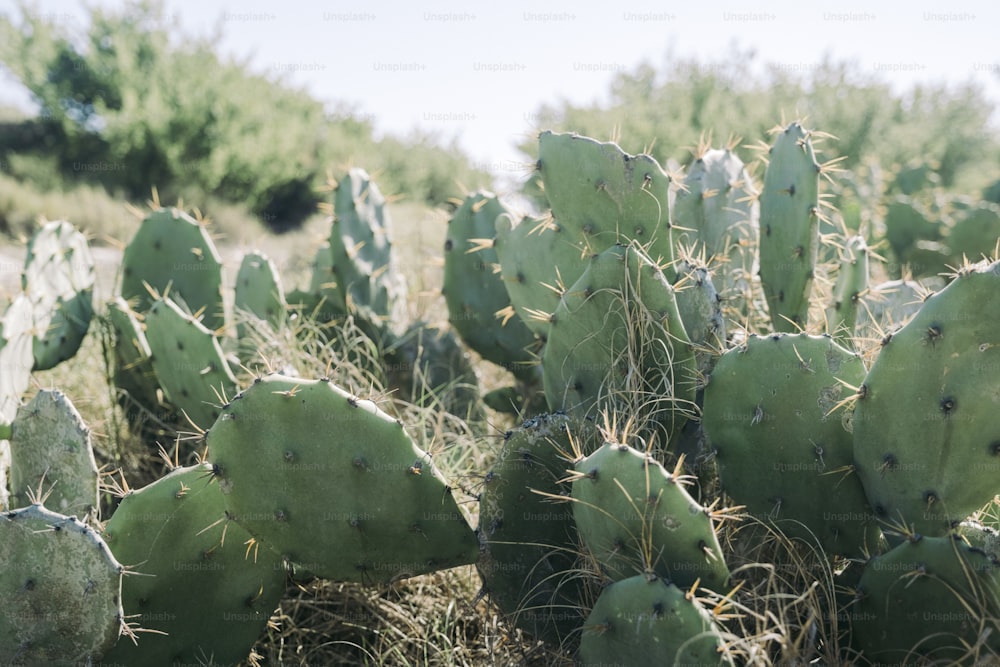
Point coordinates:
[[52, 459], [58, 278], [197, 581], [335, 484], [529, 544], [926, 426], [61, 590], [601, 195], [474, 290], [782, 446], [930, 600], [616, 340], [789, 227], [636, 517], [189, 362], [645, 620], [171, 250]]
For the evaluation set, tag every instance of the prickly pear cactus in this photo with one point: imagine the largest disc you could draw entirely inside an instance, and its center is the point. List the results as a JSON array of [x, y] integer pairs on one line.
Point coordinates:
[[172, 249], [926, 602], [907, 223], [258, 294], [189, 362], [132, 361], [335, 484], [645, 620], [58, 278], [363, 275], [782, 446], [889, 305], [61, 590], [700, 307], [851, 285], [474, 290], [926, 426], [529, 544], [539, 260], [717, 215], [16, 360], [196, 579], [636, 517], [616, 341], [52, 456], [601, 195], [789, 227]]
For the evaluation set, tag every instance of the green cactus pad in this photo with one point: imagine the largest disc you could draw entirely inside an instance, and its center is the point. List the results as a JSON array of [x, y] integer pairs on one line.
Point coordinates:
[[717, 214], [364, 280], [335, 484], [616, 340], [258, 294], [602, 196], [51, 453], [189, 362], [474, 290], [645, 620], [927, 428], [789, 227], [538, 261], [195, 578], [700, 307], [925, 602], [59, 279], [172, 249], [906, 222], [851, 285], [529, 545], [636, 517], [134, 377], [782, 449], [61, 590]]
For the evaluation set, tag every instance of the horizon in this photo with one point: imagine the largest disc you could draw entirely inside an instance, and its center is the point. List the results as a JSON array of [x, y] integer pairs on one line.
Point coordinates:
[[478, 75]]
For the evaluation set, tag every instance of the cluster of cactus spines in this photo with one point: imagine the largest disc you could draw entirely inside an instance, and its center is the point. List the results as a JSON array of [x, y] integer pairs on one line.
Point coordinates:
[[132, 364], [636, 517], [335, 484], [474, 290], [199, 587], [61, 590], [789, 227], [926, 426], [601, 195], [849, 289], [189, 362], [781, 445], [616, 341], [258, 294], [58, 278], [717, 215], [538, 261], [171, 251], [646, 620], [889, 305], [528, 543], [52, 459], [363, 279], [929, 600]]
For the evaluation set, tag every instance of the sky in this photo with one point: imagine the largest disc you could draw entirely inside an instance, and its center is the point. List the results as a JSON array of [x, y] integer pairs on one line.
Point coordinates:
[[478, 72]]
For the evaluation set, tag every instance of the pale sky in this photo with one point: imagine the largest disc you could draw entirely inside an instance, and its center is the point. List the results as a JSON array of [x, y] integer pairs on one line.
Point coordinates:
[[478, 70]]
